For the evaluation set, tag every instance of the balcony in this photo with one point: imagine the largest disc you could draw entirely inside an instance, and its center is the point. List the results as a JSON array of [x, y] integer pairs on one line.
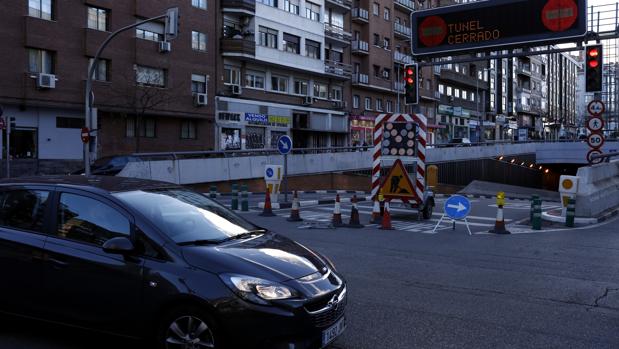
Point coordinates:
[[462, 79], [360, 47], [360, 79], [341, 4], [401, 31], [338, 69], [239, 6], [238, 47], [337, 35], [360, 15], [524, 69], [402, 58], [405, 5]]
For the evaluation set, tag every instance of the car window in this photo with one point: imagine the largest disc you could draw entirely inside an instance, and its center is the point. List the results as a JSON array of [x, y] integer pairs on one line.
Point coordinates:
[[119, 161], [88, 220], [23, 209]]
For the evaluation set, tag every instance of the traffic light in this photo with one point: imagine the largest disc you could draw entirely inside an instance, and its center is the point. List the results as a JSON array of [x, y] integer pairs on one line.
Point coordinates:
[[411, 84], [593, 68]]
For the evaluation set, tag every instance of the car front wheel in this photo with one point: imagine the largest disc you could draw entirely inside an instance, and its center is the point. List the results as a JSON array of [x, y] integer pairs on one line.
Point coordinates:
[[187, 328]]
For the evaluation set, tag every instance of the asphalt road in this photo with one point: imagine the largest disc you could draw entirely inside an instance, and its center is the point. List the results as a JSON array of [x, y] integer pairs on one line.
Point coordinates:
[[409, 288]]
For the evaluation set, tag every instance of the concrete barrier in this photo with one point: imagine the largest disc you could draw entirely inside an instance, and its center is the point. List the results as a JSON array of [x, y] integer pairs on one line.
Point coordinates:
[[598, 189]]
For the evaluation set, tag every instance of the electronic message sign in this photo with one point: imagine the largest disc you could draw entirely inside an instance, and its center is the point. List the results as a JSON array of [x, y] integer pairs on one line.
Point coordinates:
[[498, 23]]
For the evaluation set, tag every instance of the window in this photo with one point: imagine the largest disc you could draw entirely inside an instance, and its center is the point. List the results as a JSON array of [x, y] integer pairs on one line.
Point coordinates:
[[449, 90], [198, 41], [272, 3], [376, 39], [465, 95], [101, 70], [387, 14], [267, 37], [41, 9], [336, 93], [379, 104], [368, 103], [188, 129], [97, 18], [64, 122], [312, 11], [389, 106], [375, 9], [320, 90], [292, 6], [473, 96], [387, 73], [152, 31], [130, 127], [88, 220], [291, 43], [232, 76], [355, 101], [23, 209], [279, 83], [254, 80], [441, 89], [300, 87], [198, 83], [386, 43], [312, 49], [40, 61], [148, 128], [199, 4], [457, 92], [376, 70], [150, 76]]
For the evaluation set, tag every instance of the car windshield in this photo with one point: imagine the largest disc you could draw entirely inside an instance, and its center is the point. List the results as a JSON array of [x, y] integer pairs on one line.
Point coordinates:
[[186, 216]]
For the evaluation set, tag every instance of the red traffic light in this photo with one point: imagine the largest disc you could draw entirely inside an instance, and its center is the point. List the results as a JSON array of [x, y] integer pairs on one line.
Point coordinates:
[[593, 64], [410, 80], [593, 52], [409, 71]]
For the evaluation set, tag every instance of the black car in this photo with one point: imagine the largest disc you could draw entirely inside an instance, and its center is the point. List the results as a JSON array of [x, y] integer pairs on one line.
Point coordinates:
[[109, 165], [158, 261]]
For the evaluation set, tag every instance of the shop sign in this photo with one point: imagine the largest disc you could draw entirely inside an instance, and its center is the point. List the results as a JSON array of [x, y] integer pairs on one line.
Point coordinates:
[[513, 125], [501, 119], [256, 118], [466, 113], [445, 109], [282, 121]]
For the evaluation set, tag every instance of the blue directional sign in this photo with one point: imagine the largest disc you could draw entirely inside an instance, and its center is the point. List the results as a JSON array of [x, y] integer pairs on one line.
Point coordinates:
[[269, 172], [457, 207], [284, 144]]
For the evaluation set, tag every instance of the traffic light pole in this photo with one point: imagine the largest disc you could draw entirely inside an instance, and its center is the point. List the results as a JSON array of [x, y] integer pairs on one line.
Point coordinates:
[[8, 147]]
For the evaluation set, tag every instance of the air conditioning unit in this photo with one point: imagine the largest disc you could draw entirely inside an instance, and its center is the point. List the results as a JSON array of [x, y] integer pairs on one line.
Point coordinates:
[[385, 75], [165, 46], [307, 100], [235, 89], [46, 81], [199, 99]]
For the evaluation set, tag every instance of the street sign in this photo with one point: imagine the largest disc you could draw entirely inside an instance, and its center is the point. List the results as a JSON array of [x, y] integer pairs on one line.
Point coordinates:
[[499, 23], [397, 184], [457, 207], [596, 107], [595, 140], [399, 138], [85, 134], [594, 152], [2, 124], [595, 124], [284, 144]]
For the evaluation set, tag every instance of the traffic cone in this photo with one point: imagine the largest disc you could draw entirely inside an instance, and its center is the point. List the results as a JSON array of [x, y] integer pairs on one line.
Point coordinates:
[[354, 214], [337, 213], [499, 224], [267, 211], [376, 216], [386, 222], [294, 211]]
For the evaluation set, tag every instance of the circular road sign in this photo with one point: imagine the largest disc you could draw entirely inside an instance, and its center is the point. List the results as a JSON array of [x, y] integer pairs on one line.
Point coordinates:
[[457, 207], [595, 140], [284, 144], [559, 15], [432, 31], [591, 153], [595, 124], [596, 107], [85, 134]]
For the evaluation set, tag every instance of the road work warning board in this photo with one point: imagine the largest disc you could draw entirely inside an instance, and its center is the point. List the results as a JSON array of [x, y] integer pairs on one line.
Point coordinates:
[[397, 184]]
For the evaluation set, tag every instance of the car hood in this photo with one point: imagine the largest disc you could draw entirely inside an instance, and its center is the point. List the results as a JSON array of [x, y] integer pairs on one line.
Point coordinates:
[[270, 256]]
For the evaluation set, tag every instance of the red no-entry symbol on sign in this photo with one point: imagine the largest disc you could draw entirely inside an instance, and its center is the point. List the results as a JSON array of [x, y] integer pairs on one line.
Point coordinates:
[[432, 31], [559, 15]]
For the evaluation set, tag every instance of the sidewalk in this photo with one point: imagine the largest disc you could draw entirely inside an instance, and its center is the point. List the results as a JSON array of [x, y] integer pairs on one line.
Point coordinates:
[[511, 191]]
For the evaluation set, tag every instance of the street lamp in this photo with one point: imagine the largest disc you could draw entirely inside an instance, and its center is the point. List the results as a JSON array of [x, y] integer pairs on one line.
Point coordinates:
[[479, 118]]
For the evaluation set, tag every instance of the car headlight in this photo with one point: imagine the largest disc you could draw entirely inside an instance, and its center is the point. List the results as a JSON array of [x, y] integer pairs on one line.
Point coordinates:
[[257, 290]]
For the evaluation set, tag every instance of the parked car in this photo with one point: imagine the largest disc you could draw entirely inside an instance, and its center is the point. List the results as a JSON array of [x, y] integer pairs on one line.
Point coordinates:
[[155, 260], [460, 141], [109, 165]]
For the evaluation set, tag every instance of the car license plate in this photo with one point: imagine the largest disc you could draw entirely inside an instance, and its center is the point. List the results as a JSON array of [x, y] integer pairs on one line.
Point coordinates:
[[333, 332]]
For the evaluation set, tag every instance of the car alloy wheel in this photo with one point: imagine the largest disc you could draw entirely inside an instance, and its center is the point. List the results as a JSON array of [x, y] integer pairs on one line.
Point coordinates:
[[189, 332]]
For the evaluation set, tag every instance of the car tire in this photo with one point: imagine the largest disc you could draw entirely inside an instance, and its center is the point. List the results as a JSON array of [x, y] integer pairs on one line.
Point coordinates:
[[185, 325], [428, 210]]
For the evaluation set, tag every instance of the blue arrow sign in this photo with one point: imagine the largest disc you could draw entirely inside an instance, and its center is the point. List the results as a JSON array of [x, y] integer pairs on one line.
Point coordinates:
[[457, 207], [284, 144], [269, 172]]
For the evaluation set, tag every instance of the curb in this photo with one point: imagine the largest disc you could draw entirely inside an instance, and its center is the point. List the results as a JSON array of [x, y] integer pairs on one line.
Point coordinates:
[[306, 203], [582, 220], [480, 196]]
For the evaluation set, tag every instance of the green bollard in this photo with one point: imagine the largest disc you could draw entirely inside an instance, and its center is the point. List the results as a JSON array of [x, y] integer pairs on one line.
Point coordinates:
[[213, 191], [533, 198], [537, 215], [235, 197], [570, 213], [244, 198]]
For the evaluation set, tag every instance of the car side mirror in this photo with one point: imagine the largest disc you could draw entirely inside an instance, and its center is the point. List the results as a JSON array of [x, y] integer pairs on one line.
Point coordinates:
[[118, 245]]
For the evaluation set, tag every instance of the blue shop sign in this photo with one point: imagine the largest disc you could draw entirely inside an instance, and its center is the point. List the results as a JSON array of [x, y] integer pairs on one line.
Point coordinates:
[[256, 118]]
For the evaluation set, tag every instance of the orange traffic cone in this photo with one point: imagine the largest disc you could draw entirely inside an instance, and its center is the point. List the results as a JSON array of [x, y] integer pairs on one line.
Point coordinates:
[[337, 213], [267, 211], [294, 211], [354, 214], [386, 223], [376, 215], [499, 223]]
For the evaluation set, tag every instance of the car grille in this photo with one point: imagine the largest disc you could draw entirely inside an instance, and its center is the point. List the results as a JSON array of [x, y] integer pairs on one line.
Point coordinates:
[[327, 310]]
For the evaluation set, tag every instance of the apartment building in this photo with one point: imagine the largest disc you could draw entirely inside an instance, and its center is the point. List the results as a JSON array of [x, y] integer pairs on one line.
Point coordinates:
[[147, 97], [560, 121]]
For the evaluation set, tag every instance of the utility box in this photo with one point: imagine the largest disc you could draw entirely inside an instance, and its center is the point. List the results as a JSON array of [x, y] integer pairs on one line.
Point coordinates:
[[568, 187], [273, 175]]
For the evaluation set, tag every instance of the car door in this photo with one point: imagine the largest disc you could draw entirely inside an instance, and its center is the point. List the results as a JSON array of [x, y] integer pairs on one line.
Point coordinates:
[[23, 213], [83, 284]]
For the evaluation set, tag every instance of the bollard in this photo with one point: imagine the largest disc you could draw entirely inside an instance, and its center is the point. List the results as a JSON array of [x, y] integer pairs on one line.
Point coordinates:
[[533, 198], [537, 215], [499, 224], [235, 197], [570, 213], [213, 191], [244, 198]]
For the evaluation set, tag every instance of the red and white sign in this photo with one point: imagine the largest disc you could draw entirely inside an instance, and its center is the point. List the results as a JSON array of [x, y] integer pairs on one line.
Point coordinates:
[[594, 152], [432, 31], [595, 140], [595, 124], [559, 15], [85, 134], [596, 108]]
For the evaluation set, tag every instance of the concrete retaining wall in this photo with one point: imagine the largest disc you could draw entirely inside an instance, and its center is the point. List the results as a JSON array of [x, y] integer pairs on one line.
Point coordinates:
[[598, 189]]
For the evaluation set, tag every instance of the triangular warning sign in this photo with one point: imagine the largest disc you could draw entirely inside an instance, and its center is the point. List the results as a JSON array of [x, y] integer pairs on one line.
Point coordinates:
[[397, 184]]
